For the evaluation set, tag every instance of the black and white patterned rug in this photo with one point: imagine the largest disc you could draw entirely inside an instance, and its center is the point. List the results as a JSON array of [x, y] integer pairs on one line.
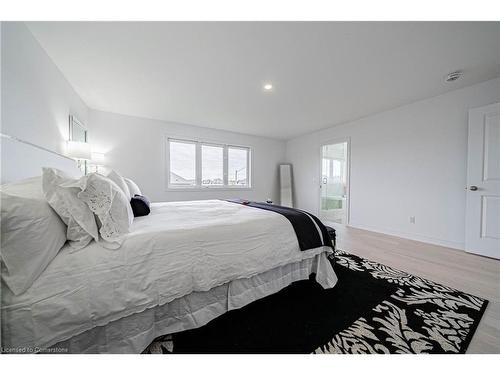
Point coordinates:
[[372, 309]]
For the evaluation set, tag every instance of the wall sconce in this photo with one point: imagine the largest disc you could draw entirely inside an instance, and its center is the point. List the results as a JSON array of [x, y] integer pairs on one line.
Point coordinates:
[[80, 151], [97, 159]]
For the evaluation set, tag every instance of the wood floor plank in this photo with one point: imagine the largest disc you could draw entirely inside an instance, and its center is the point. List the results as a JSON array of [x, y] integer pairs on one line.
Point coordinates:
[[455, 268]]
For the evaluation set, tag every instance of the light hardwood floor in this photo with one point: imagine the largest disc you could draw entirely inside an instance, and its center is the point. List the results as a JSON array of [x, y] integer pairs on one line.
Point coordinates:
[[455, 268]]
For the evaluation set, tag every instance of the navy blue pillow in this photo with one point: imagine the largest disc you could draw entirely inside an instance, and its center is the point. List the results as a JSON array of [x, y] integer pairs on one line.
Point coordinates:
[[140, 205]]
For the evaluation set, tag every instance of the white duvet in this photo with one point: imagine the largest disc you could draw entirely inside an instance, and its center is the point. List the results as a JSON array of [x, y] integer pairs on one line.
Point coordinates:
[[179, 248]]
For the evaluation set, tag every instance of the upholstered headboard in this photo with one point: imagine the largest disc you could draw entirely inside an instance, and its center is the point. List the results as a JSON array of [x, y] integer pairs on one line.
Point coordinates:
[[21, 159]]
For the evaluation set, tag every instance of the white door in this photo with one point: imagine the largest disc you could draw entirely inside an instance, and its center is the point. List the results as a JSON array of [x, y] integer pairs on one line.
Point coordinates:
[[334, 183], [482, 227]]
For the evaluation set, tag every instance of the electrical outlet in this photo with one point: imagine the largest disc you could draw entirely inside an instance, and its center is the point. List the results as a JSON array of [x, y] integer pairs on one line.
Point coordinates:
[[412, 219]]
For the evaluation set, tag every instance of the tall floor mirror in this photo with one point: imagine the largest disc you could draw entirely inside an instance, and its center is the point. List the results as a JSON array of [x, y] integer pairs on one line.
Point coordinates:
[[286, 189]]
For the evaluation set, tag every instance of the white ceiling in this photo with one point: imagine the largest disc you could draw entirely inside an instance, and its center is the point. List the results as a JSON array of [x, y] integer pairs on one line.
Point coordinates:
[[211, 73]]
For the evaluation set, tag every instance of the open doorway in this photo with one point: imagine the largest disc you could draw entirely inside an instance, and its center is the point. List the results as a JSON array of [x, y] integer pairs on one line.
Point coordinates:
[[334, 183]]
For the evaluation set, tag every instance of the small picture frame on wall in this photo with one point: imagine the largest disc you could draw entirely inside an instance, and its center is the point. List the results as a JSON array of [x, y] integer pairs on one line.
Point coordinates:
[[78, 133]]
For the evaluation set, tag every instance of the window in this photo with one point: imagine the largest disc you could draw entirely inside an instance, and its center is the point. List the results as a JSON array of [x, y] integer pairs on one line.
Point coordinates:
[[212, 165], [237, 160], [194, 164], [182, 163]]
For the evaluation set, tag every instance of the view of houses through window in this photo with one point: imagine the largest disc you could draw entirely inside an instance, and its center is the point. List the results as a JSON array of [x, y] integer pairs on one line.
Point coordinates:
[[199, 164]]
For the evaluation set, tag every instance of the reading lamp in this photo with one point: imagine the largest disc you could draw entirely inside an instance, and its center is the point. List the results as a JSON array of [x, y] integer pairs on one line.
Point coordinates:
[[80, 151]]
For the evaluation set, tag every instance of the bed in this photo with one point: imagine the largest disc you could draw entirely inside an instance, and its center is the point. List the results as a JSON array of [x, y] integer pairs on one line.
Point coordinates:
[[179, 267]]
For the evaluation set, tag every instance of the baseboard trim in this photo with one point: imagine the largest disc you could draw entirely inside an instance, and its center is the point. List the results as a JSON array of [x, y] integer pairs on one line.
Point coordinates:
[[410, 236]]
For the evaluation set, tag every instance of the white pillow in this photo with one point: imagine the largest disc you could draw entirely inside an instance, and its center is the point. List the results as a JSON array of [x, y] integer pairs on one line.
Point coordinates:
[[118, 179], [28, 188], [80, 221], [31, 234], [108, 202], [132, 187]]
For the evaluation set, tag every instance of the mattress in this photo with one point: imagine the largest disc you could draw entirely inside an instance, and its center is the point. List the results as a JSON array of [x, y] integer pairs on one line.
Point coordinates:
[[180, 248]]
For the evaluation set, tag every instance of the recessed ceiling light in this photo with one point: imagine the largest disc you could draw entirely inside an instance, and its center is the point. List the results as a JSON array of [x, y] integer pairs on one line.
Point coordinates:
[[453, 76], [268, 87]]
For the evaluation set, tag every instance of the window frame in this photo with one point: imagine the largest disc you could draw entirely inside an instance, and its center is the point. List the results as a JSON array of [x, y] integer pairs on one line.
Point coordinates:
[[195, 164], [224, 164], [198, 165]]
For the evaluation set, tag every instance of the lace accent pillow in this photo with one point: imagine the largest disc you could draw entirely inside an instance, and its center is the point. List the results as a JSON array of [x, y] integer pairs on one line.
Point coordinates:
[[79, 219], [109, 203]]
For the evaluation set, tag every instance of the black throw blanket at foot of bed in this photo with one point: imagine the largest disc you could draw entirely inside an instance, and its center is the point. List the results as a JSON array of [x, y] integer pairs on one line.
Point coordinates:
[[310, 231], [372, 309]]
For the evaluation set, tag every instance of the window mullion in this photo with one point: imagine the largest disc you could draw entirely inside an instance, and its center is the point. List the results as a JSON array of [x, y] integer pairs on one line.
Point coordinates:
[[225, 166], [167, 161], [248, 168], [198, 164]]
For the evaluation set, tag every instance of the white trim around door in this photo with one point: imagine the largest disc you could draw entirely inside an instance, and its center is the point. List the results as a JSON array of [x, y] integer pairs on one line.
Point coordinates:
[[482, 214], [334, 141]]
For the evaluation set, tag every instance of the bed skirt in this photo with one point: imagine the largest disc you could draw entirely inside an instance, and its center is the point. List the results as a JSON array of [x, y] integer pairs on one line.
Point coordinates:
[[132, 334]]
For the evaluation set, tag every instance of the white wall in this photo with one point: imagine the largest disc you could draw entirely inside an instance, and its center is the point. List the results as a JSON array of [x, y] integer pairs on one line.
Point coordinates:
[[409, 161], [135, 147], [36, 98]]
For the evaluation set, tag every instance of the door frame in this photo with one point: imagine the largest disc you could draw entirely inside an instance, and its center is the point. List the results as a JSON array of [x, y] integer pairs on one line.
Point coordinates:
[[476, 115], [348, 177]]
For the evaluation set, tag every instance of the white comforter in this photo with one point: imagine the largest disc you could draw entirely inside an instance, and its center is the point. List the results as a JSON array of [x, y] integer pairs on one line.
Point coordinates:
[[179, 248]]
